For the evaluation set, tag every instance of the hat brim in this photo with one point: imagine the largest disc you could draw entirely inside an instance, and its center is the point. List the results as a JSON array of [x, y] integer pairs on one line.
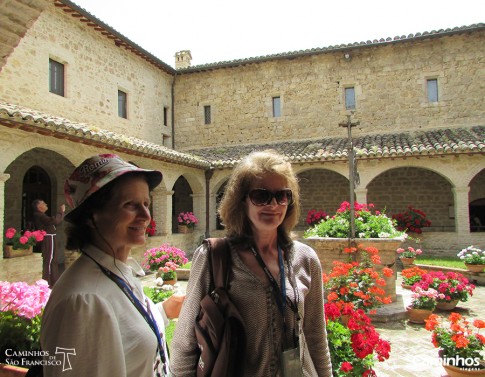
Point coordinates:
[[153, 177]]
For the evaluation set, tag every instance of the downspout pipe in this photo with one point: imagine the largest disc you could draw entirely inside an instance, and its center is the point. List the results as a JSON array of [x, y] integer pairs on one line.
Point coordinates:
[[208, 175], [173, 110]]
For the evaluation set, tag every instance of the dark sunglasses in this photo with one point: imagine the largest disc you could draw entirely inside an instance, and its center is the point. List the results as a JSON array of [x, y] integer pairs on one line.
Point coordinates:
[[263, 197]]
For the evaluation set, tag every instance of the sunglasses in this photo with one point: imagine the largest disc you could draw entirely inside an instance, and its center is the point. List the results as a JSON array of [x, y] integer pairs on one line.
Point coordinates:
[[263, 197]]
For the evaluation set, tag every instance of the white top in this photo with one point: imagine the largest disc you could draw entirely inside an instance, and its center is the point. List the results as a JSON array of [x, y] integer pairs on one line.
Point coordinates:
[[88, 313]]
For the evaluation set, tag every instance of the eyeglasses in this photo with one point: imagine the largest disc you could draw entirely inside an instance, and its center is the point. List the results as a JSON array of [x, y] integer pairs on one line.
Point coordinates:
[[263, 197]]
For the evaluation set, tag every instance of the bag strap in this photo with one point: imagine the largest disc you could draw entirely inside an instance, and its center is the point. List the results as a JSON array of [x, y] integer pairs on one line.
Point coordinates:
[[219, 256]]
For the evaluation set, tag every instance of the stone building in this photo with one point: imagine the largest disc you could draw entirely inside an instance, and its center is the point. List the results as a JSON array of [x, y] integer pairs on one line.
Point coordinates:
[[71, 86]]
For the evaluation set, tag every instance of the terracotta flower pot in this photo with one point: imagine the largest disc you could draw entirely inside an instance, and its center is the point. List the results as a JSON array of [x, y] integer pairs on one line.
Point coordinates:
[[185, 229], [407, 261], [10, 252], [405, 286], [463, 372], [418, 315], [447, 305], [12, 371], [170, 281], [475, 267]]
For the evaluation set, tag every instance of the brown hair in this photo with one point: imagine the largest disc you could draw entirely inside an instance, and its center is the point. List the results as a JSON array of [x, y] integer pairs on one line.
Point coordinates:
[[255, 166]]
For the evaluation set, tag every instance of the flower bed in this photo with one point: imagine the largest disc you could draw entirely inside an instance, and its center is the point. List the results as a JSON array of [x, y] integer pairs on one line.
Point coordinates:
[[355, 347], [21, 307]]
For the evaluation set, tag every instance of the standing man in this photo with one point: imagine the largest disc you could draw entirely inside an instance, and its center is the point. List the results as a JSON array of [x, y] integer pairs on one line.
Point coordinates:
[[50, 267]]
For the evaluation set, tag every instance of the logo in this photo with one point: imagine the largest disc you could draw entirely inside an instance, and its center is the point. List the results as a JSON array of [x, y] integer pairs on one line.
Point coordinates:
[[65, 352]]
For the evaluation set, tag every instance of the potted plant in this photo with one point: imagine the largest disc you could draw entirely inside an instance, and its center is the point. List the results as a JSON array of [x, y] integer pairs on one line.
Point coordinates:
[[460, 345], [164, 260], [413, 220], [18, 243], [186, 222], [423, 303], [358, 283], [408, 255], [355, 347], [473, 257], [454, 286], [411, 275], [21, 307], [368, 224], [151, 228], [373, 229], [314, 216]]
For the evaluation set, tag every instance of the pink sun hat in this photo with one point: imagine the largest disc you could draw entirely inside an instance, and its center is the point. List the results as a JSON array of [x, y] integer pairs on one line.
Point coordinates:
[[96, 172]]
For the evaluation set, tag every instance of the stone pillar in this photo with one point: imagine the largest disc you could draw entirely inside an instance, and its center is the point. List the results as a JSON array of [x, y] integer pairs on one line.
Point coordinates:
[[462, 217], [198, 201], [162, 214], [361, 195], [3, 178]]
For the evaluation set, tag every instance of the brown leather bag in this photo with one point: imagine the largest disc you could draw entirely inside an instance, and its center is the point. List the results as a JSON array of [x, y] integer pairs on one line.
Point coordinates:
[[219, 328]]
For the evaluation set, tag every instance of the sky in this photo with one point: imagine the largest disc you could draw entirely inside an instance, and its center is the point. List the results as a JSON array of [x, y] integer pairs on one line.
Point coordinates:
[[224, 30]]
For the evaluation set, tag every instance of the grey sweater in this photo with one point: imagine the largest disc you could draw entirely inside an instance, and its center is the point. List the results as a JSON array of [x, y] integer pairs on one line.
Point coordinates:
[[262, 317]]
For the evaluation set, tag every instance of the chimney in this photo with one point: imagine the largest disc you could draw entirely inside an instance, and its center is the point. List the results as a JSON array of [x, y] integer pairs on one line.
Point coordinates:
[[183, 59]]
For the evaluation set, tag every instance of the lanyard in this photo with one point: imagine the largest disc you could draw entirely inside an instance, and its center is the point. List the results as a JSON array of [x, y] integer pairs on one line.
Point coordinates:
[[280, 295], [147, 315]]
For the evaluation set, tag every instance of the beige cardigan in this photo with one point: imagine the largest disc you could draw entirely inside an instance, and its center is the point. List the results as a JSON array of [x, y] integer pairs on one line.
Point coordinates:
[[260, 312]]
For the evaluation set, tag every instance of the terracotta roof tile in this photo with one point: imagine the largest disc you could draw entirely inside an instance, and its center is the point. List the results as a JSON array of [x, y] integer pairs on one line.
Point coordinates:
[[341, 47], [424, 143], [36, 121], [443, 141]]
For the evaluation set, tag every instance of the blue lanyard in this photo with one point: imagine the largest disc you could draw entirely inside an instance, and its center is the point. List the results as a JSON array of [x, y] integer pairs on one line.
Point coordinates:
[[280, 295], [147, 315], [282, 280]]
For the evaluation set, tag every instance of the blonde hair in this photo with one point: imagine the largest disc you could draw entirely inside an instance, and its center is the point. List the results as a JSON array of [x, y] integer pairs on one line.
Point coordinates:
[[252, 167]]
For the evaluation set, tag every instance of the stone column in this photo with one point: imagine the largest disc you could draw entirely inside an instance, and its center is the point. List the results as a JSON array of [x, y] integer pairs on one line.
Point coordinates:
[[198, 200], [361, 195], [3, 178], [462, 217], [162, 213]]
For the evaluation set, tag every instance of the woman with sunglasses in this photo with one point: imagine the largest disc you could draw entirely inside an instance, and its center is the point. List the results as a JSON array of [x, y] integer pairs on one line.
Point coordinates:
[[275, 282]]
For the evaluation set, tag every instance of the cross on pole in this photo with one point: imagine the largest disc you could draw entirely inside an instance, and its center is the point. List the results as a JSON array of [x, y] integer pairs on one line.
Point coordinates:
[[350, 147]]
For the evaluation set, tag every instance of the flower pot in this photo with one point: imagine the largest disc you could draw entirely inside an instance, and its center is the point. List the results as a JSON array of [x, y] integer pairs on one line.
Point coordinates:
[[407, 261], [475, 267], [170, 281], [10, 252], [463, 372], [418, 315], [185, 229], [447, 305], [12, 371], [405, 286]]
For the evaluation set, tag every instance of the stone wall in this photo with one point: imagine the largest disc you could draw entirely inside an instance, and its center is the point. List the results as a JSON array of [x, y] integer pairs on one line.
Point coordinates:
[[95, 69], [389, 81]]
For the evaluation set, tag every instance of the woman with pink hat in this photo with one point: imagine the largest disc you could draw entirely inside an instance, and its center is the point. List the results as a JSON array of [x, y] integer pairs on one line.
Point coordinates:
[[98, 322]]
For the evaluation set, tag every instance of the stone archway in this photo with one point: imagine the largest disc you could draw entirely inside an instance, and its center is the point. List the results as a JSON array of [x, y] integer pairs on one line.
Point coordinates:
[[182, 200], [477, 203], [396, 189]]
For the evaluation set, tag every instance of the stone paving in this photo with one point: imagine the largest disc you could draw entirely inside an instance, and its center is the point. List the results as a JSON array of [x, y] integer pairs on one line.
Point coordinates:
[[412, 354]]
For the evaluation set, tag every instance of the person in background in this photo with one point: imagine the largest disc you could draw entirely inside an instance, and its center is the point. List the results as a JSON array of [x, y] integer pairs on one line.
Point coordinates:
[[275, 282], [50, 254], [97, 314]]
